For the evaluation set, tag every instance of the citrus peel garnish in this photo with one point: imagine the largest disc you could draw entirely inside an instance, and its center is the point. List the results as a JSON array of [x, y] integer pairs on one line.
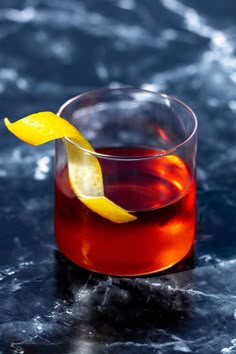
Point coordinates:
[[85, 172]]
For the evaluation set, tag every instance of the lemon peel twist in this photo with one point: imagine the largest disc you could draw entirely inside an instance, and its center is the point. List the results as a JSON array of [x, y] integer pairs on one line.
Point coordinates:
[[84, 169]]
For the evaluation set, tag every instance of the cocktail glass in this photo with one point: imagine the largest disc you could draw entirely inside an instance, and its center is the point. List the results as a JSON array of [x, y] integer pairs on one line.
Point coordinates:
[[146, 144]]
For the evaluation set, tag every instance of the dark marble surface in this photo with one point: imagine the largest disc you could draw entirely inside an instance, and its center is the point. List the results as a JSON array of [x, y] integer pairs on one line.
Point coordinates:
[[52, 50]]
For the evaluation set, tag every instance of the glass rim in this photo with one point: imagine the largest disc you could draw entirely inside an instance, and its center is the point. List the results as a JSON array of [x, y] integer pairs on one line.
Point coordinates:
[[138, 157]]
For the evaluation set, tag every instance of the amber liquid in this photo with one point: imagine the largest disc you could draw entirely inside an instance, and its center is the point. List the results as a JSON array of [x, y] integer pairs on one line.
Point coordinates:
[[160, 192]]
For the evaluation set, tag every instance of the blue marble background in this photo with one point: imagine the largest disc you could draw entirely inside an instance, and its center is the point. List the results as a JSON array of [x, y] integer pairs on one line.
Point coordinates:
[[52, 50]]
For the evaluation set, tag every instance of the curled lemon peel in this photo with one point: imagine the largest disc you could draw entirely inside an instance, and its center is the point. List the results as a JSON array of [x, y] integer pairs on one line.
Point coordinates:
[[85, 172]]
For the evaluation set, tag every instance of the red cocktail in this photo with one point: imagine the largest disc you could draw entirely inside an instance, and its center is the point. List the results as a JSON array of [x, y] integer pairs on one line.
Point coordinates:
[[157, 185]]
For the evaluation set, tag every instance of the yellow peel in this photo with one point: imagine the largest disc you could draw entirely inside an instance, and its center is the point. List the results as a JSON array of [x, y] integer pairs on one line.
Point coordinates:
[[84, 169], [108, 209]]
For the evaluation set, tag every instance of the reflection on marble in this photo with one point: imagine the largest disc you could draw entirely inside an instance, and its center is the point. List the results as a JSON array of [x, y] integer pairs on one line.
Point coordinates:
[[62, 308], [52, 50]]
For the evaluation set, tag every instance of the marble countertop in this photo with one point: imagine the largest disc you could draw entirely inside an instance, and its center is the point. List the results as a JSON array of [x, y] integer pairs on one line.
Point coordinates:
[[52, 50]]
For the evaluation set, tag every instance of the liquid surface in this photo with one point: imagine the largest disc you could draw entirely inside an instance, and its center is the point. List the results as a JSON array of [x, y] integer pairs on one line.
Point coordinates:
[[145, 184], [160, 191]]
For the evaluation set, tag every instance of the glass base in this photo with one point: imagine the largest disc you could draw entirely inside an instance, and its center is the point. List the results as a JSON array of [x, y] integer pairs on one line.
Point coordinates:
[[142, 271]]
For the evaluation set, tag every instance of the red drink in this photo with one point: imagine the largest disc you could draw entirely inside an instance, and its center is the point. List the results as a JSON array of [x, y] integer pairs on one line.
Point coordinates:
[[161, 193]]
